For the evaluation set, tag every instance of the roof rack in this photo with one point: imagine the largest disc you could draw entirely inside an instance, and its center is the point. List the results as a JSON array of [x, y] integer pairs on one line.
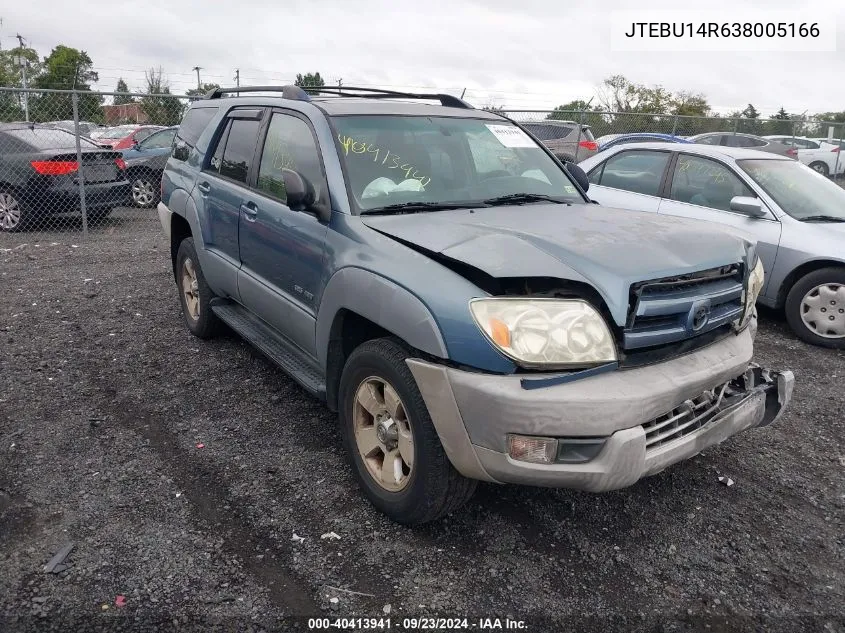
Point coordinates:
[[303, 94]]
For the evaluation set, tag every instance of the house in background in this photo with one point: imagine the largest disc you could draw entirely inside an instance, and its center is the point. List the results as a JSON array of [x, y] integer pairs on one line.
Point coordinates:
[[124, 113]]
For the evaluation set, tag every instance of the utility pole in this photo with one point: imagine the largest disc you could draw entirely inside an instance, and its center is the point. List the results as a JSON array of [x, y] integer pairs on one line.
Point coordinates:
[[23, 63], [199, 83], [340, 86], [238, 79]]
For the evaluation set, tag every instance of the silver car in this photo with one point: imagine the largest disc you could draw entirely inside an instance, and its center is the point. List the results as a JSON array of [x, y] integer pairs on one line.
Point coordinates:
[[748, 141], [796, 216], [571, 142]]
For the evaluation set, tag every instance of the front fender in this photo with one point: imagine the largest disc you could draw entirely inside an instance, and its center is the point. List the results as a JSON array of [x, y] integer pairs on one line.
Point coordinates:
[[383, 302]]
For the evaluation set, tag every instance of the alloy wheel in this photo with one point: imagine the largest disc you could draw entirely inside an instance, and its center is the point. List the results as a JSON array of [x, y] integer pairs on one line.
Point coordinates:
[[10, 212], [383, 434], [190, 289]]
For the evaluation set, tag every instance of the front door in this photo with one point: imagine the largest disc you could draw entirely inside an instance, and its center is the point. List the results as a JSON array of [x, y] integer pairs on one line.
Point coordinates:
[[282, 249]]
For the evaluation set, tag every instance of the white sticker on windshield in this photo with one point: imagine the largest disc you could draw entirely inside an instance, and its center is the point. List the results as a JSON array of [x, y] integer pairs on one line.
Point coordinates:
[[510, 135]]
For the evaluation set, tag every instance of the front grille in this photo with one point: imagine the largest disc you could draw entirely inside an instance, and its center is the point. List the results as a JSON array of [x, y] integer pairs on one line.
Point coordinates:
[[673, 309], [690, 416]]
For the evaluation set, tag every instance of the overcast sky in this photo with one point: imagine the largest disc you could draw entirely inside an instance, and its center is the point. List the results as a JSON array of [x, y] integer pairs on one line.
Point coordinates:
[[530, 54]]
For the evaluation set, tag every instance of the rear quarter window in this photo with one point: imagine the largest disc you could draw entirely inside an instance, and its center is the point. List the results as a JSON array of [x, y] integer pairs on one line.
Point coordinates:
[[194, 124]]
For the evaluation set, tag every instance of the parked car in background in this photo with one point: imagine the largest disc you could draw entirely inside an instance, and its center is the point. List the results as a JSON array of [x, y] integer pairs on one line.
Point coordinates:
[[145, 162], [611, 140], [434, 275], [125, 136], [570, 141], [39, 176], [821, 156], [86, 128], [796, 215], [749, 141], [836, 142]]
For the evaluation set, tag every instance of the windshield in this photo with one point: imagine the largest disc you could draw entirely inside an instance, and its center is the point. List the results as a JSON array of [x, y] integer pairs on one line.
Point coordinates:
[[798, 190], [441, 161]]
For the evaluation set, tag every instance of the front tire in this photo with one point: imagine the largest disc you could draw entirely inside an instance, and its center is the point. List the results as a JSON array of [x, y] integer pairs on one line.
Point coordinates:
[[390, 440], [194, 292], [820, 168], [815, 308]]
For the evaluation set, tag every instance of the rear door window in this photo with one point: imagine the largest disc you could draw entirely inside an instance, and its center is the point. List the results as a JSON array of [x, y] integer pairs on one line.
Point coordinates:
[[636, 171], [235, 149]]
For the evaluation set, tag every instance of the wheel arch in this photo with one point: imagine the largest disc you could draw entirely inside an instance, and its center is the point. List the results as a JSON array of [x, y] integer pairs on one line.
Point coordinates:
[[800, 271], [358, 305]]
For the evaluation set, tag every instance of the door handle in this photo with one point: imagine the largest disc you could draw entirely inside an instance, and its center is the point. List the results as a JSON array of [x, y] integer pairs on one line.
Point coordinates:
[[204, 188], [250, 211]]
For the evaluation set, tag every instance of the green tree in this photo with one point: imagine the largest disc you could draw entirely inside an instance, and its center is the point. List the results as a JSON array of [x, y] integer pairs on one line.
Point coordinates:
[[157, 104], [11, 103], [201, 92], [122, 99], [749, 123], [66, 68], [780, 123], [309, 80], [686, 103]]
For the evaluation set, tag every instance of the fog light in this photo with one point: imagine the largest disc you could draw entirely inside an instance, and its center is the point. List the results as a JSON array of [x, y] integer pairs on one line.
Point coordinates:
[[579, 450], [540, 450]]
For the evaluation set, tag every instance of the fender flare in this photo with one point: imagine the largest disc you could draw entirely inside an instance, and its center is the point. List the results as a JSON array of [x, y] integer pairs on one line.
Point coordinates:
[[383, 302]]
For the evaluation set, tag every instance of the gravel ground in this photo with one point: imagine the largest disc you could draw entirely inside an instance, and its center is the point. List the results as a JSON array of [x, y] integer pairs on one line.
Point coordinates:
[[181, 470]]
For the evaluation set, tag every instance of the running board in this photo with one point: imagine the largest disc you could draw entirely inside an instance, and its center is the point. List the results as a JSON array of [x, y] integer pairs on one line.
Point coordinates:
[[264, 338]]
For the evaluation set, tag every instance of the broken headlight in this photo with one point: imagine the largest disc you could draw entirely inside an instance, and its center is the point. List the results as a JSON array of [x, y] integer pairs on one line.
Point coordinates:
[[751, 292], [546, 333]]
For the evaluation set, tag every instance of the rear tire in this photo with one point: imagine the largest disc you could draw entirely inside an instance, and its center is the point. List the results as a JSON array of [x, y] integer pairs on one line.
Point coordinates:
[[143, 189], [820, 168], [409, 493], [815, 308], [194, 293], [13, 216]]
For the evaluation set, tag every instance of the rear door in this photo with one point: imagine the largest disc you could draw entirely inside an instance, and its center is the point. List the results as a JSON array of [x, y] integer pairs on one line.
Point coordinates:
[[630, 179], [282, 249], [222, 184], [702, 188]]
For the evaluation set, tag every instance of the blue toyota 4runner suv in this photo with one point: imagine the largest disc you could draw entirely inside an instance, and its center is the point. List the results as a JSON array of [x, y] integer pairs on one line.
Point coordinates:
[[440, 280]]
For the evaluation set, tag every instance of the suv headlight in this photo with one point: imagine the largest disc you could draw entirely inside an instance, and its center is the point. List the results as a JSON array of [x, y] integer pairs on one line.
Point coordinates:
[[546, 333], [750, 294]]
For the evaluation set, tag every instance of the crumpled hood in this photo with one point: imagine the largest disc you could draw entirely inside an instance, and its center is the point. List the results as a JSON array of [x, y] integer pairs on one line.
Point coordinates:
[[608, 249]]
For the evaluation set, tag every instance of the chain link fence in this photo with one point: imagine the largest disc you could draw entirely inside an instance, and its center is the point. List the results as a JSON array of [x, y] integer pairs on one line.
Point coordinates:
[[81, 161], [576, 135]]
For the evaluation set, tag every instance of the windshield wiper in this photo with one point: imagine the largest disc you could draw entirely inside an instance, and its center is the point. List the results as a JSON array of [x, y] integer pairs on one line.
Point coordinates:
[[522, 198], [823, 218], [419, 207]]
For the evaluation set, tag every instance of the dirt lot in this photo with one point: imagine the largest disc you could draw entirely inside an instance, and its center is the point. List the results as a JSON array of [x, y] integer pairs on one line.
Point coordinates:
[[105, 400]]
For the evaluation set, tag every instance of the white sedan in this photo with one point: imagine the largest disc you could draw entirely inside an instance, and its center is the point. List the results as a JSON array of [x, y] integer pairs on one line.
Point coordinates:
[[822, 156]]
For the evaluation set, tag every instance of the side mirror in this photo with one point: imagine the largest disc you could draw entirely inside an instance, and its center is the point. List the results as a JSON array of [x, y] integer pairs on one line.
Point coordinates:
[[578, 174], [748, 205], [301, 195]]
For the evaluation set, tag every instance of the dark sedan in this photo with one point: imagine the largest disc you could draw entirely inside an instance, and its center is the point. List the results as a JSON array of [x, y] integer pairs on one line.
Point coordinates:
[[40, 173]]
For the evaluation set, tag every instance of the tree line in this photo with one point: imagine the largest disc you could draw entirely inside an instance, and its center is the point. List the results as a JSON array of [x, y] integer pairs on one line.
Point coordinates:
[[67, 68], [626, 106]]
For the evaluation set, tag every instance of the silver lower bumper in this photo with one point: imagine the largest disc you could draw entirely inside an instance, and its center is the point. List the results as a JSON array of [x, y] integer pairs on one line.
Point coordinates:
[[473, 414]]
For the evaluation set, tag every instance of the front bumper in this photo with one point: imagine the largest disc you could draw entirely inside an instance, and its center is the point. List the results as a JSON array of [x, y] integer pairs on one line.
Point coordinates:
[[474, 413]]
